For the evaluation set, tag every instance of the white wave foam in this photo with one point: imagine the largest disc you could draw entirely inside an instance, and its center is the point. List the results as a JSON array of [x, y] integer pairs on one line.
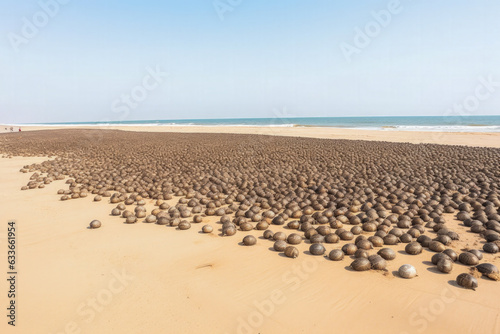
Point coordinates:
[[445, 128]]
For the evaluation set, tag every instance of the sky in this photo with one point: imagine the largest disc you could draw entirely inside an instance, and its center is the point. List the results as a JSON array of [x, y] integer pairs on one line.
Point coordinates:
[[97, 60]]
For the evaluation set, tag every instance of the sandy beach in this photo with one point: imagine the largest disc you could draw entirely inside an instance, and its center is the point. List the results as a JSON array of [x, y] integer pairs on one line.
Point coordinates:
[[250, 167], [483, 139], [132, 278]]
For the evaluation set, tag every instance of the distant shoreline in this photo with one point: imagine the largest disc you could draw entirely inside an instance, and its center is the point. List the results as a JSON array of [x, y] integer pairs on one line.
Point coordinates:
[[475, 139], [478, 124]]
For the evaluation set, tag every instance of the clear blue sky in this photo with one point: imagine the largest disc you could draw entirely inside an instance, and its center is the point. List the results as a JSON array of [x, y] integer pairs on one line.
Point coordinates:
[[264, 55]]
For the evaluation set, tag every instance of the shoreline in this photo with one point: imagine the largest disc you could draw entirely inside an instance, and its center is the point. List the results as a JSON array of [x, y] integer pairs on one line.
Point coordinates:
[[110, 279], [474, 139]]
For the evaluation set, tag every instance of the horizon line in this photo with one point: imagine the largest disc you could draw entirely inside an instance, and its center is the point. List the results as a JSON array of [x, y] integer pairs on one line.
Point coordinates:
[[243, 118]]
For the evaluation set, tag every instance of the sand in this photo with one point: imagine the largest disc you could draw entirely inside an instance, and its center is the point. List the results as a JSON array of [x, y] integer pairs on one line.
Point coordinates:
[[146, 278], [490, 139]]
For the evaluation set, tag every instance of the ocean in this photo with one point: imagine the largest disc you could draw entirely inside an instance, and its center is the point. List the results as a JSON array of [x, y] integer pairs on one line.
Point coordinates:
[[413, 123]]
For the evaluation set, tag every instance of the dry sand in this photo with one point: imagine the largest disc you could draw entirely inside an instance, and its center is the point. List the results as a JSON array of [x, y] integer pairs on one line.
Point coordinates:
[[145, 278]]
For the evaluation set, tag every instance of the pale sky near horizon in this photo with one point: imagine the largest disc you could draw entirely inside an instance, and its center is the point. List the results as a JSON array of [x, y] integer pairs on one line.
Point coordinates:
[[79, 62]]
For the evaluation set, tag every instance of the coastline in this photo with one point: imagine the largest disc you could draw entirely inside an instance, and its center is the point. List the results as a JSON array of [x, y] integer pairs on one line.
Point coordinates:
[[475, 139], [145, 277]]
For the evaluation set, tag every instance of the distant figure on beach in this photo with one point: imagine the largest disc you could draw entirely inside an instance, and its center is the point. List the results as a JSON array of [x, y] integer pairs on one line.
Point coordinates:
[[11, 129], [19, 129]]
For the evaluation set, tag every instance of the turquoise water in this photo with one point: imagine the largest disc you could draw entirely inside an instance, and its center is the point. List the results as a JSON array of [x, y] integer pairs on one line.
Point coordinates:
[[415, 123]]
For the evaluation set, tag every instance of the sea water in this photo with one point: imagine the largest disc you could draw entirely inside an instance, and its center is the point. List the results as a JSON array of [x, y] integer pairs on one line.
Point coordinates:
[[413, 123]]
